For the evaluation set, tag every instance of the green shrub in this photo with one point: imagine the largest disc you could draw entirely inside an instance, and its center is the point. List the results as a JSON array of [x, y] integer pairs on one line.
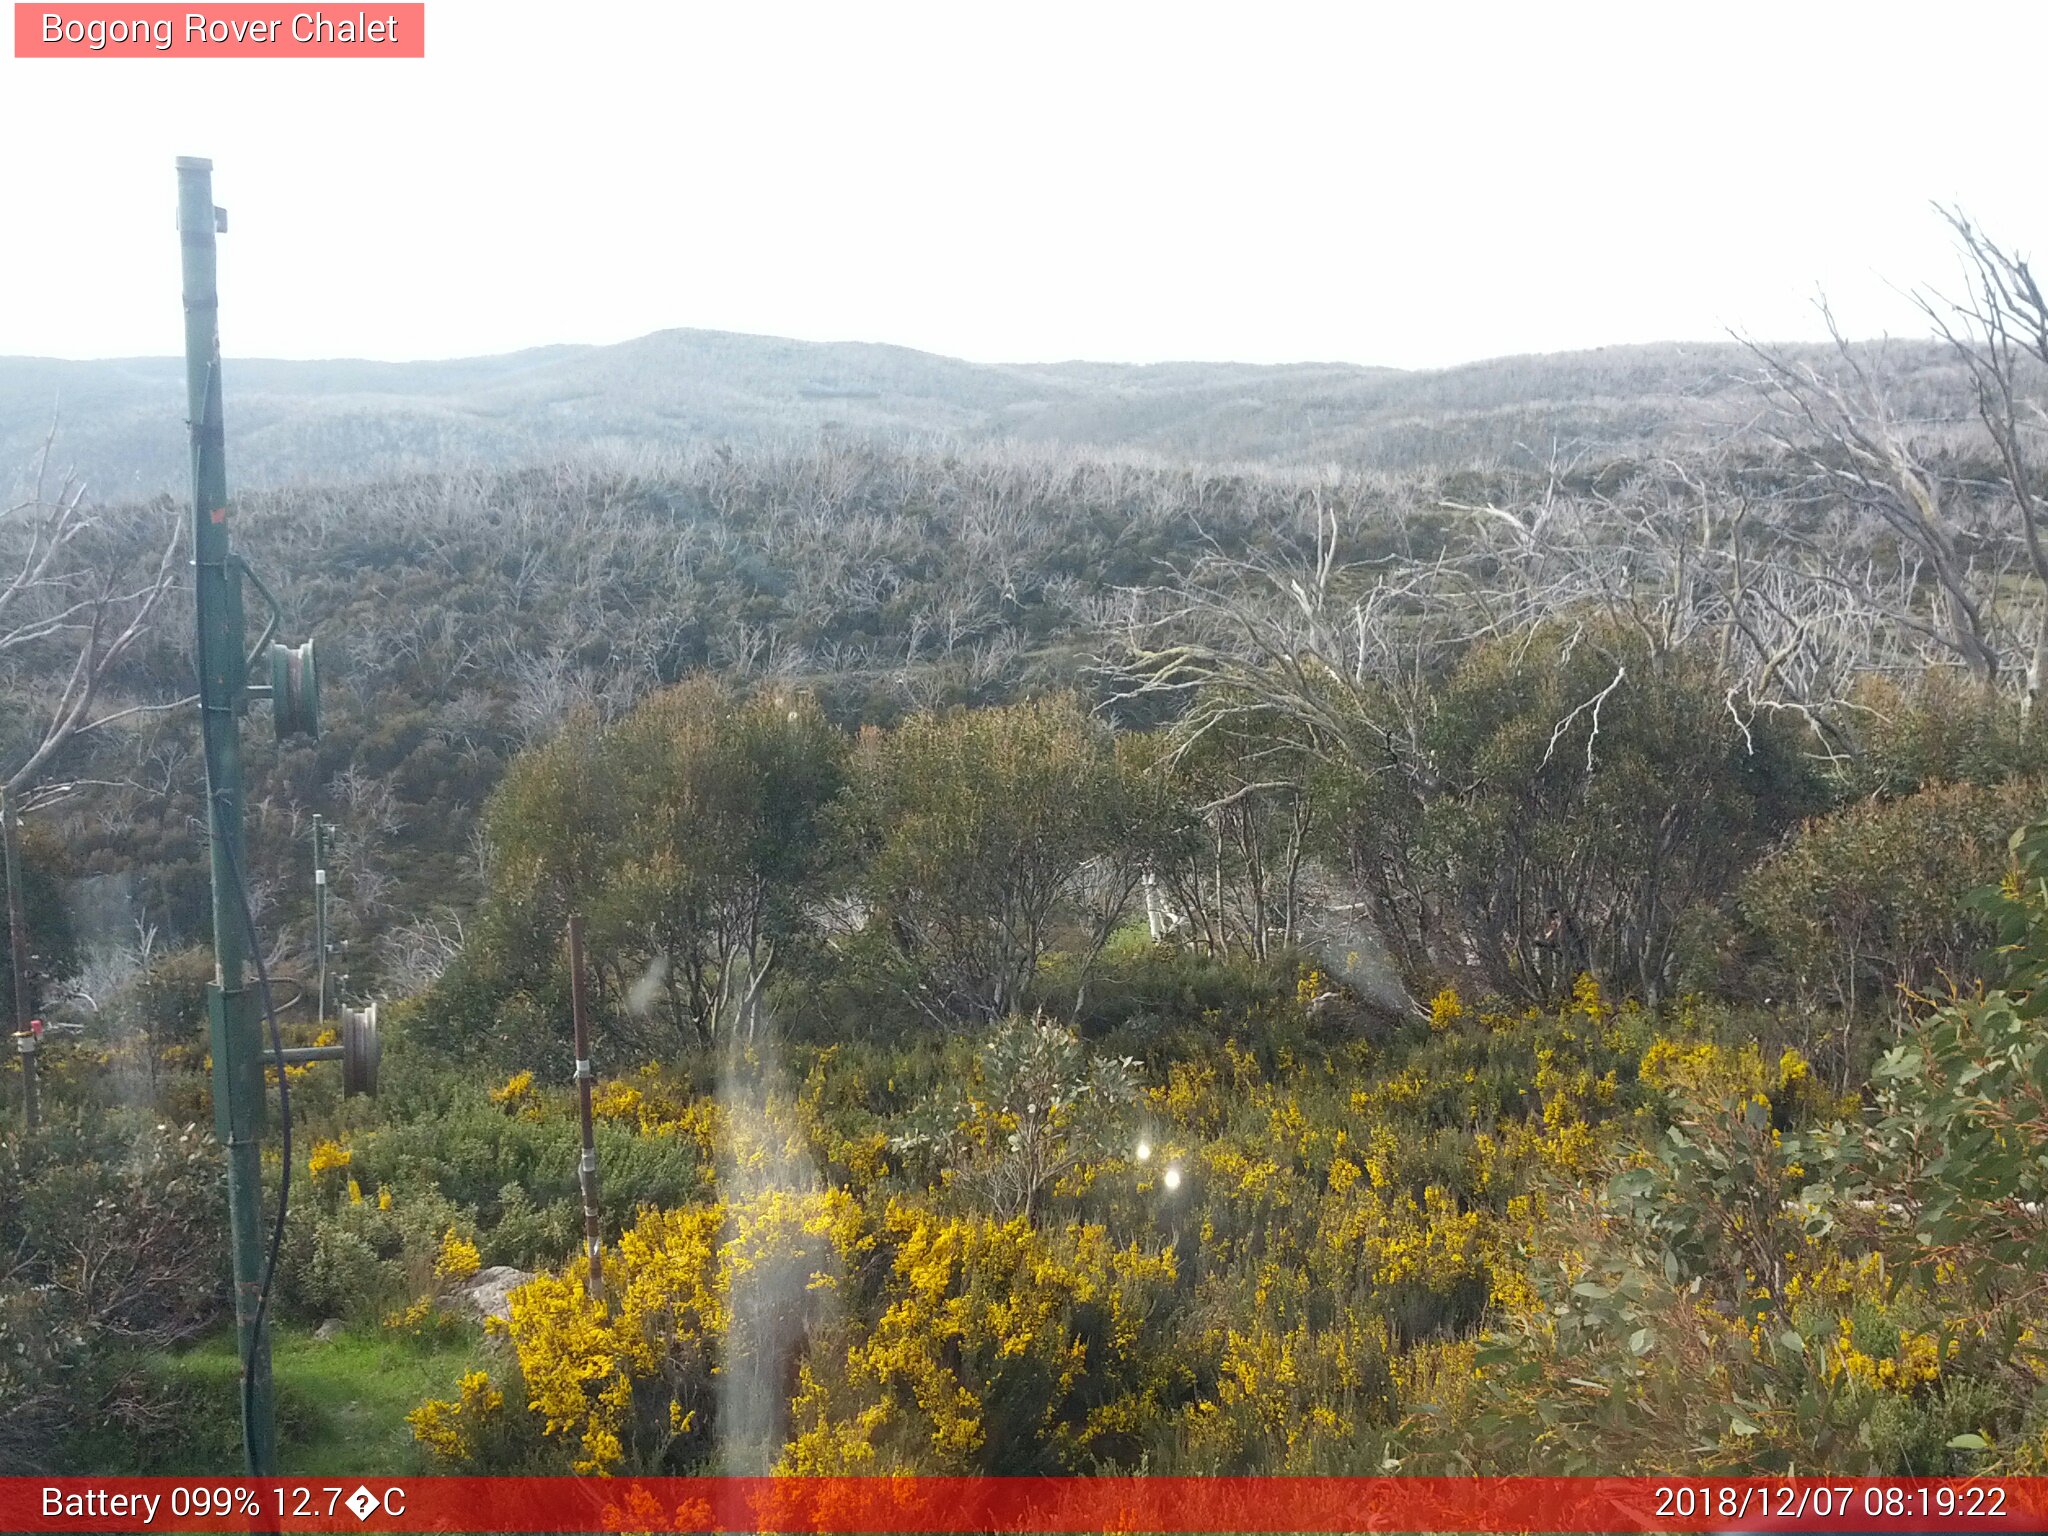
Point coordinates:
[[359, 1258], [1942, 730], [45, 1376], [113, 1224], [1869, 902], [980, 836], [530, 1236], [471, 1150], [1573, 796], [688, 835], [1158, 1001], [124, 1216], [331, 1271]]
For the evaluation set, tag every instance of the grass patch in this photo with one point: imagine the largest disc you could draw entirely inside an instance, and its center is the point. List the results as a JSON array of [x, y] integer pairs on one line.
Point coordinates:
[[341, 1405]]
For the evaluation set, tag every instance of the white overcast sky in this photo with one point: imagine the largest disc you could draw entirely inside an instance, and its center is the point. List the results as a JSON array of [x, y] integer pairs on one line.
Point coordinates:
[[1415, 184]]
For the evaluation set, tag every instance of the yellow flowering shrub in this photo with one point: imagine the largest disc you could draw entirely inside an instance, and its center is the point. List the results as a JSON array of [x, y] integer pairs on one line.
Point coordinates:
[[589, 1370], [1291, 1399], [1446, 1010], [1343, 1174], [990, 1340], [1188, 1099], [455, 1431], [616, 1101], [518, 1095], [1587, 1000], [458, 1258], [1470, 1242], [1874, 1352], [1706, 1072]]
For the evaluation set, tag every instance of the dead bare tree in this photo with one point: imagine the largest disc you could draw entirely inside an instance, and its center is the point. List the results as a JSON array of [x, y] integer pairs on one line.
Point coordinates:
[[412, 956], [2000, 331], [71, 610], [1842, 426], [1327, 656], [1695, 555], [1314, 644]]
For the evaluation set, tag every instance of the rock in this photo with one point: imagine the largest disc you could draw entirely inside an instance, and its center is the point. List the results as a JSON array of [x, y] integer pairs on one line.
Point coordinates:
[[488, 1292], [330, 1330]]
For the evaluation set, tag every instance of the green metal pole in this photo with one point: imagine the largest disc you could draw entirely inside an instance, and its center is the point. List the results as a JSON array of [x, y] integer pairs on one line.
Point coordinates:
[[223, 692]]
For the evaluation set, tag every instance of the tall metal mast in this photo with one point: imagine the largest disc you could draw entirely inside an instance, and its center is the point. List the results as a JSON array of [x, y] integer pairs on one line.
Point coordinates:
[[223, 697]]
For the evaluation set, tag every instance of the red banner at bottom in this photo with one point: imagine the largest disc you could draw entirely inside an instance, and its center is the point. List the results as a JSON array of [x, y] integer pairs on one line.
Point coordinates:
[[957, 1506]]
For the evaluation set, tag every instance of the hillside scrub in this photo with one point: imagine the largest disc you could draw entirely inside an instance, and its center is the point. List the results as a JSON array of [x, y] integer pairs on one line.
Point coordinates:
[[1246, 1221], [1108, 963], [718, 844], [1523, 1247], [464, 616], [754, 391]]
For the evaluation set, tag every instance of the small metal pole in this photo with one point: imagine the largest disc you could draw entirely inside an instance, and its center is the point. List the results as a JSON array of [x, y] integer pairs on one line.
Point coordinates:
[[25, 1044], [25, 1040], [593, 1231], [320, 911]]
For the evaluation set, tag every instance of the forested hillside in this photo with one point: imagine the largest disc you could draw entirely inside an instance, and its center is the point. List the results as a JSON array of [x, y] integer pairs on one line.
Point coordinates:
[[1272, 930], [342, 421]]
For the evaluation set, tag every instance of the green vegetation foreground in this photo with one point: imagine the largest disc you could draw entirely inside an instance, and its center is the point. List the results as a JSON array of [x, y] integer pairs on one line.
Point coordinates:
[[926, 1156]]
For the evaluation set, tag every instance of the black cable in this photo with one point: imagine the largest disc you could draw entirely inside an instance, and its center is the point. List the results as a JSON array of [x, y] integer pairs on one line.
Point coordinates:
[[284, 1187]]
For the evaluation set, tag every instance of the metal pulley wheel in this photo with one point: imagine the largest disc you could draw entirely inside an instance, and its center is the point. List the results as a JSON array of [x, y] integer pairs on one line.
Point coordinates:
[[361, 1051], [294, 690]]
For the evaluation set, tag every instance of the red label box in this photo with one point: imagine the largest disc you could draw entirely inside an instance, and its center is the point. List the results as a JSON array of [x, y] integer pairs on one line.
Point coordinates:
[[224, 31]]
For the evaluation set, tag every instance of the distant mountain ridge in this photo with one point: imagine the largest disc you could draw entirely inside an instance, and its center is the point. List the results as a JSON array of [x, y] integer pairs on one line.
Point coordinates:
[[121, 420]]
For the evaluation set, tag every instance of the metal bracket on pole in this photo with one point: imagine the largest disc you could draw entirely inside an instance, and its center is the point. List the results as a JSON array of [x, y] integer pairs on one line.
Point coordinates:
[[360, 1053], [294, 690]]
